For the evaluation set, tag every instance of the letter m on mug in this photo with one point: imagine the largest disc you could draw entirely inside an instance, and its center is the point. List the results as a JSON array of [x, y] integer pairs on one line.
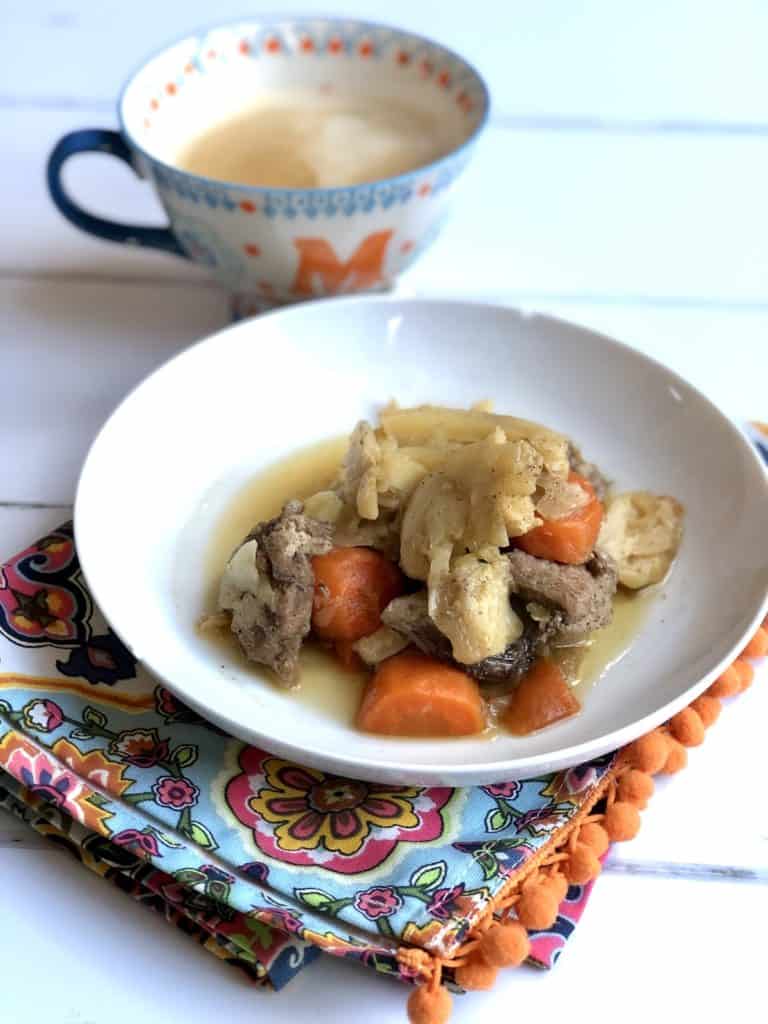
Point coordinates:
[[321, 272]]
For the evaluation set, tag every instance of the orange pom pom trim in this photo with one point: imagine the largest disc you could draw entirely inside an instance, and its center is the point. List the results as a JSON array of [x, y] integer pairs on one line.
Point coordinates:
[[493, 941], [758, 645], [595, 837], [726, 685], [505, 945], [745, 672], [537, 907], [636, 788], [476, 975], [677, 760], [708, 709], [621, 821], [582, 865], [648, 753], [687, 728], [427, 1005], [559, 885]]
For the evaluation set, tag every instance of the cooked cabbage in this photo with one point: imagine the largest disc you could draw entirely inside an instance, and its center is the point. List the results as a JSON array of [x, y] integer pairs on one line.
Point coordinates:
[[641, 531]]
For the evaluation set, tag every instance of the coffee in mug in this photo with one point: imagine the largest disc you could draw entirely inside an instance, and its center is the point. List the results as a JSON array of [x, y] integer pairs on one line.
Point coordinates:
[[306, 139]]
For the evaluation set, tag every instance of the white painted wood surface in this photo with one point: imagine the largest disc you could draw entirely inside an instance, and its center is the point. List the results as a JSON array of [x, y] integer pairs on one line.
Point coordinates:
[[622, 185]]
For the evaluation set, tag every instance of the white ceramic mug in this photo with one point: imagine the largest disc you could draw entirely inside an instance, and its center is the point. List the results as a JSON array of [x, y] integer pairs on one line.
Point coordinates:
[[272, 245]]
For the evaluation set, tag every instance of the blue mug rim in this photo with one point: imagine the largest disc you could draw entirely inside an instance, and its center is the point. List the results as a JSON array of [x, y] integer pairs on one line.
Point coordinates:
[[299, 19]]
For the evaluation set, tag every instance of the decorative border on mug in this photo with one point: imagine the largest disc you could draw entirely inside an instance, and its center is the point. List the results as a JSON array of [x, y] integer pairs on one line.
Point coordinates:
[[313, 203], [434, 66]]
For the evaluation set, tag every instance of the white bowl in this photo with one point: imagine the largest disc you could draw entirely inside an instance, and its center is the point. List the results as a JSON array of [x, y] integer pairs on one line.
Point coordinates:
[[183, 443]]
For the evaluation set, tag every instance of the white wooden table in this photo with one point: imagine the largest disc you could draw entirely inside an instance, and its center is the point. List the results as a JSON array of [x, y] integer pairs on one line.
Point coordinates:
[[621, 184]]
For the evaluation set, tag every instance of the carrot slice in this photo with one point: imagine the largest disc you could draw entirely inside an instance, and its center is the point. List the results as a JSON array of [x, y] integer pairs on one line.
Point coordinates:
[[414, 695], [352, 588], [571, 538], [541, 698]]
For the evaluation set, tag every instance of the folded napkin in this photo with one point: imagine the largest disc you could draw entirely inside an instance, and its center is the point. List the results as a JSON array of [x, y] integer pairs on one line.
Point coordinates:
[[266, 863]]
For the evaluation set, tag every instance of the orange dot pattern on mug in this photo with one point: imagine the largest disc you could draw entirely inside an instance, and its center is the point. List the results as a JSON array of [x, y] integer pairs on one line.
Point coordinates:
[[274, 44]]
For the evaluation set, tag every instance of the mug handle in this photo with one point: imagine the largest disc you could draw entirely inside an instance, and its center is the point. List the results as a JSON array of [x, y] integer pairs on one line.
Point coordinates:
[[102, 140]]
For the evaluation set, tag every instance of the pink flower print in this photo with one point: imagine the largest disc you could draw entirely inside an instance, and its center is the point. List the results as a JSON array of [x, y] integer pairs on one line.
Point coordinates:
[[142, 843], [176, 793], [508, 790], [444, 902], [381, 901]]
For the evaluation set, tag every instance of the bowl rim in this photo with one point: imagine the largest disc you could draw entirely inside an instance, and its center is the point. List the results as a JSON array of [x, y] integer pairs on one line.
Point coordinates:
[[434, 773], [464, 148]]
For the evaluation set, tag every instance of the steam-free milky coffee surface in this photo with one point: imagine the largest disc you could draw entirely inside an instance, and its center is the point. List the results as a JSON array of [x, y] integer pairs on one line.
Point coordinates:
[[308, 140]]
